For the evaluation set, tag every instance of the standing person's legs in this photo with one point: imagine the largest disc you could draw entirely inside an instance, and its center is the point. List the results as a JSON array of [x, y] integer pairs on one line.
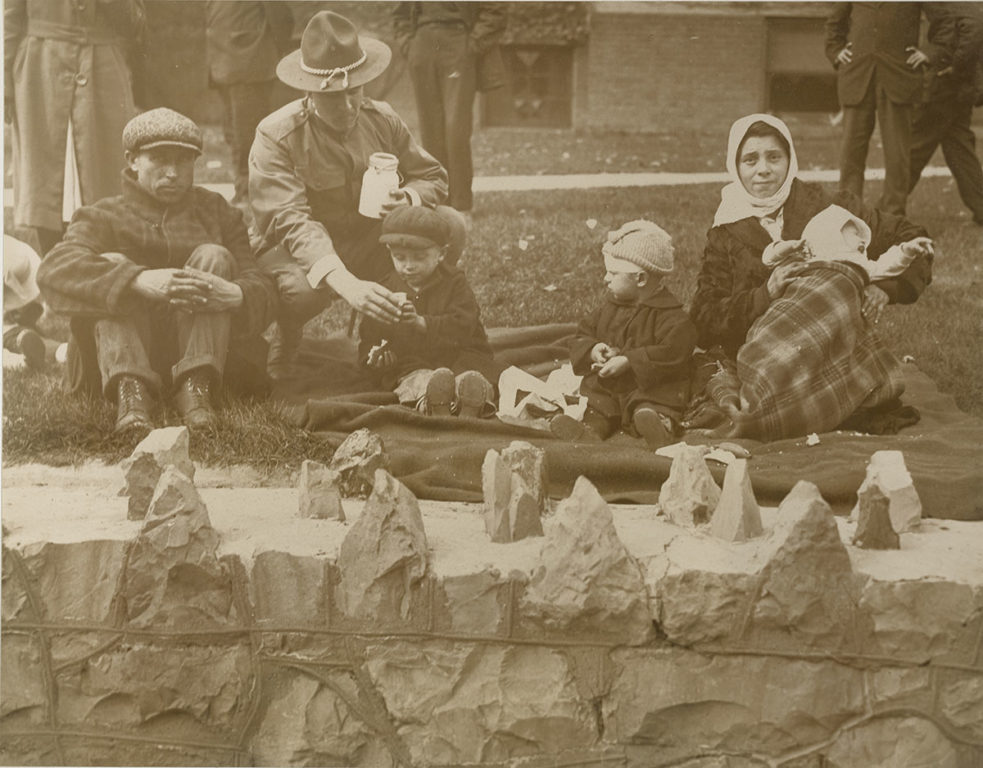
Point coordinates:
[[959, 149], [858, 125], [426, 75], [458, 89], [929, 123], [248, 103], [895, 122]]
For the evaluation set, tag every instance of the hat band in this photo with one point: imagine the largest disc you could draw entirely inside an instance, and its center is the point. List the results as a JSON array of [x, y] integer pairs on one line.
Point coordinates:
[[332, 72]]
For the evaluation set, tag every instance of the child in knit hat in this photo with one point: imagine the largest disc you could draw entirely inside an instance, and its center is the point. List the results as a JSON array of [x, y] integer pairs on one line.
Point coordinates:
[[634, 350], [436, 358]]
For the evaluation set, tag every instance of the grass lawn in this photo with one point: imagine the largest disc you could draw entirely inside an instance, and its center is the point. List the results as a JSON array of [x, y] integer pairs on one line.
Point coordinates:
[[534, 259]]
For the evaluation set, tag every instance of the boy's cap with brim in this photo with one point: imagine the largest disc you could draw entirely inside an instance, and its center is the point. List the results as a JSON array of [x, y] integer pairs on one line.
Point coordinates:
[[415, 227], [333, 57], [161, 127], [20, 269]]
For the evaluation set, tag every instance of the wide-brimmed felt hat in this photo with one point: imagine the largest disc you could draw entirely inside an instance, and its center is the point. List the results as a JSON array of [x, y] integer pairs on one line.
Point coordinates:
[[333, 57]]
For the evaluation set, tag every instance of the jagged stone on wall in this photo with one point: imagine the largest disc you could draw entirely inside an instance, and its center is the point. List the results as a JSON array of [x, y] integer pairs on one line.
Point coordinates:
[[898, 742], [588, 583], [675, 700], [457, 704], [77, 581], [24, 699], [173, 575], [289, 590], [142, 469], [887, 470], [874, 529], [808, 591], [924, 619], [961, 703], [689, 496], [305, 722], [319, 492], [472, 603], [512, 507], [195, 690], [737, 516], [356, 461], [529, 462], [384, 555], [13, 597]]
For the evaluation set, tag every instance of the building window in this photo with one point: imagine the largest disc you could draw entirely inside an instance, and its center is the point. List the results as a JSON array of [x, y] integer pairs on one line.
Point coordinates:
[[538, 92], [800, 79]]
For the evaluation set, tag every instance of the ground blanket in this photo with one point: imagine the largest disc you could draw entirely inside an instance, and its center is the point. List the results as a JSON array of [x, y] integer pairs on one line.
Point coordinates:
[[440, 457], [812, 359]]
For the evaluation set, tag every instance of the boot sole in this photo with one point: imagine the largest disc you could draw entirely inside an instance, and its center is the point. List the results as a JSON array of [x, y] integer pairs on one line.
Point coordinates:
[[651, 428], [440, 392], [473, 391]]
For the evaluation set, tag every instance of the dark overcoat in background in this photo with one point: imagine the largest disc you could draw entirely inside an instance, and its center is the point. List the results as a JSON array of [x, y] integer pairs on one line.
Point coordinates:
[[61, 59]]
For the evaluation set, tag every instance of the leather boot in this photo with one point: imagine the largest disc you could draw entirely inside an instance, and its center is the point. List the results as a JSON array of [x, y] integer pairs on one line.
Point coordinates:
[[133, 405], [193, 400]]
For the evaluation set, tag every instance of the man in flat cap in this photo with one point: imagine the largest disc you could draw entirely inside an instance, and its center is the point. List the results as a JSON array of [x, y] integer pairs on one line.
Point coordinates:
[[153, 279], [305, 179]]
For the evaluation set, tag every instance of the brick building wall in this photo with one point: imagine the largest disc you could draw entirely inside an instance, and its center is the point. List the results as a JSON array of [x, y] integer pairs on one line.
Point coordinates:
[[659, 72]]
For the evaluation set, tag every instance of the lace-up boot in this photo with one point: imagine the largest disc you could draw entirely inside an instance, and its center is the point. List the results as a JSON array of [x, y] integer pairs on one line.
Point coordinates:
[[193, 401], [133, 405]]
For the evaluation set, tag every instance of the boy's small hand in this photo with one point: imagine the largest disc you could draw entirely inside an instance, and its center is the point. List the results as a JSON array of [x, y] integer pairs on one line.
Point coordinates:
[[614, 367], [380, 356], [919, 246], [600, 353]]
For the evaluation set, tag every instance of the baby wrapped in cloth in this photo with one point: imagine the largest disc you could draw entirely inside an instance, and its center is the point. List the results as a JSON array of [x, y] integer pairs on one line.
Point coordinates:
[[835, 234]]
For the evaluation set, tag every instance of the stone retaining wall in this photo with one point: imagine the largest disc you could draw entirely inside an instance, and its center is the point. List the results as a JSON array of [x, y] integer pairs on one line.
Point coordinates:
[[233, 636]]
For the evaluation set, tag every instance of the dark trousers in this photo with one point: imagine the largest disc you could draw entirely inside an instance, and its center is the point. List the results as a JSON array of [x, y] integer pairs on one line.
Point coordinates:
[[159, 345], [948, 122], [858, 126], [245, 104], [442, 69]]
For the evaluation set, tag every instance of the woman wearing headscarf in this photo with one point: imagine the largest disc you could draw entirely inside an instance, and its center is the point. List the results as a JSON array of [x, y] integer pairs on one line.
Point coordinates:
[[796, 341]]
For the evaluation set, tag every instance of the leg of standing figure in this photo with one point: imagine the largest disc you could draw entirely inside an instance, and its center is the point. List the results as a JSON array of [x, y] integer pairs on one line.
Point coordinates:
[[959, 148], [458, 88], [248, 104], [928, 125], [895, 122], [858, 125], [425, 57]]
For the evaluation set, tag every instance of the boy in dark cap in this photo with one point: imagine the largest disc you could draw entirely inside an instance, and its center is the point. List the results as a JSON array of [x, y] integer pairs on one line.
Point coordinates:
[[436, 356], [152, 280]]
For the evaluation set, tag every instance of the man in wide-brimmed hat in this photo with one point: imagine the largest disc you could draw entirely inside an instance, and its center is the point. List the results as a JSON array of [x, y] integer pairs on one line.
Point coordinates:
[[305, 178]]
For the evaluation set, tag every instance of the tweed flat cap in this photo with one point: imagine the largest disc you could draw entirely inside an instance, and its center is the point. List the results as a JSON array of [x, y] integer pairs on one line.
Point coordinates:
[[161, 127], [415, 227], [641, 243]]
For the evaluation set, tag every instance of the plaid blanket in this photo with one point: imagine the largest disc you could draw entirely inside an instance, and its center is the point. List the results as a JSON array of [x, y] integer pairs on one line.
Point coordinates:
[[812, 359]]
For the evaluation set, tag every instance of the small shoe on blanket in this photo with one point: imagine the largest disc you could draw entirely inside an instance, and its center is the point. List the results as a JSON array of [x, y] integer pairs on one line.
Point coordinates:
[[439, 394], [652, 426], [568, 428], [474, 392]]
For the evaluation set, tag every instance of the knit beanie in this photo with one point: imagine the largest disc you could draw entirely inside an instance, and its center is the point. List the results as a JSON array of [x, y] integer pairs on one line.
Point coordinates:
[[641, 243]]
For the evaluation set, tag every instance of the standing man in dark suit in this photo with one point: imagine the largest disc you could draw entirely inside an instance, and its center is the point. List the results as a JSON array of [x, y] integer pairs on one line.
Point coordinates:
[[946, 116], [874, 47], [244, 43], [453, 52]]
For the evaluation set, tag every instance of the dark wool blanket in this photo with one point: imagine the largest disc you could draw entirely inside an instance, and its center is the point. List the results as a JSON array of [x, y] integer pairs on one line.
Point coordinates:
[[812, 359], [440, 457]]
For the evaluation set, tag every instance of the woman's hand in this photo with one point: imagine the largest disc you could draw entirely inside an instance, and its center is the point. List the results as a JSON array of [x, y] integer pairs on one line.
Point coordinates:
[[782, 276], [614, 367], [380, 356], [920, 246], [371, 299], [875, 299], [600, 353]]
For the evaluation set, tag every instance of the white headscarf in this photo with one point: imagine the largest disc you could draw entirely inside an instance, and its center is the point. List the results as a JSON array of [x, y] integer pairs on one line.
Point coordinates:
[[736, 202]]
